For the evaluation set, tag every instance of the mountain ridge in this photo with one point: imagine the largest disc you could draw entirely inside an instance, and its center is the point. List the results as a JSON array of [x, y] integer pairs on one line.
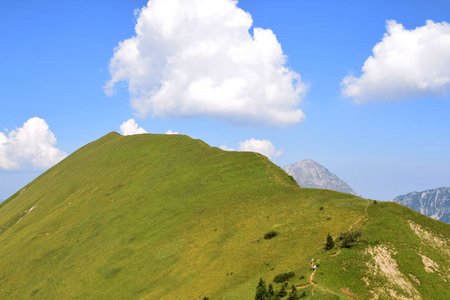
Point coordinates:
[[434, 203], [169, 217]]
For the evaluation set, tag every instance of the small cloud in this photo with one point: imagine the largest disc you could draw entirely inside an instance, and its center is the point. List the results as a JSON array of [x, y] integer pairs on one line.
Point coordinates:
[[205, 58], [130, 127], [264, 147], [226, 148], [170, 131], [32, 146], [404, 64]]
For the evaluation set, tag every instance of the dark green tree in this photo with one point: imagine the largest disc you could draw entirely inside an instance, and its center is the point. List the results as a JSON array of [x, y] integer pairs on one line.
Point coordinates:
[[294, 295], [270, 291], [282, 293], [261, 290], [329, 244]]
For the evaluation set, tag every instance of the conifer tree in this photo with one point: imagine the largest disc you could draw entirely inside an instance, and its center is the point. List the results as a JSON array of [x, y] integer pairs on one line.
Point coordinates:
[[329, 244], [294, 295], [282, 293], [261, 290], [270, 291]]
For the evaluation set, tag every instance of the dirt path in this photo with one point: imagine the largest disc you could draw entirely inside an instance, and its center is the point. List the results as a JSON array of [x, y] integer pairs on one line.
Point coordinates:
[[355, 224], [337, 253], [311, 277], [360, 219], [311, 281], [347, 292]]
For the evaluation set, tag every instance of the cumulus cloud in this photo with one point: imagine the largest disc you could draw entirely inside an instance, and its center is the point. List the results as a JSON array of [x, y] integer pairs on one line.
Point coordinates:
[[32, 146], [265, 147], [130, 127], [405, 63], [199, 58]]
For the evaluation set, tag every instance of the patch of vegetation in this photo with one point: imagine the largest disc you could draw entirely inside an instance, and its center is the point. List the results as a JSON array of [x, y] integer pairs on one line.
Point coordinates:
[[267, 292], [348, 239], [329, 244], [271, 234], [283, 277], [295, 294], [282, 292]]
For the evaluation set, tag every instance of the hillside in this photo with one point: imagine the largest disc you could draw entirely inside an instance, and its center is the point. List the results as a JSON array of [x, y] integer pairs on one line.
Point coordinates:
[[168, 217], [434, 203], [310, 174]]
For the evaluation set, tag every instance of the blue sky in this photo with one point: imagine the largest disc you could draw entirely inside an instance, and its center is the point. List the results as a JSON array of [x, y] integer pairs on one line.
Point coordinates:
[[55, 55]]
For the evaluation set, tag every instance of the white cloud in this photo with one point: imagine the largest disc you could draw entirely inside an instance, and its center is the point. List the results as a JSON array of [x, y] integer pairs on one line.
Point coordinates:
[[32, 146], [405, 63], [265, 147], [130, 127], [170, 131], [226, 148], [198, 58]]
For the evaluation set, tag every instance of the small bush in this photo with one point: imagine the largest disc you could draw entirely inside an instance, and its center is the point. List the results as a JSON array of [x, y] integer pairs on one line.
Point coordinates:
[[283, 277], [321, 208], [375, 202], [349, 238], [270, 235]]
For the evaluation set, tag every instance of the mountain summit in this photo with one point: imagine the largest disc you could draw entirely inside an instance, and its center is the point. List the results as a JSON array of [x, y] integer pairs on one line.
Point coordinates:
[[310, 174], [434, 203]]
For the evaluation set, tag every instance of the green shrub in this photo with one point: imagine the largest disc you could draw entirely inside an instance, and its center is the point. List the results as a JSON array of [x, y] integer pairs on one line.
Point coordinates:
[[283, 277], [270, 235], [349, 238]]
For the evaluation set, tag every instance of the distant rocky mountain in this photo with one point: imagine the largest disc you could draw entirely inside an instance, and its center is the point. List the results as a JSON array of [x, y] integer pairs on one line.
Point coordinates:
[[311, 174], [434, 203]]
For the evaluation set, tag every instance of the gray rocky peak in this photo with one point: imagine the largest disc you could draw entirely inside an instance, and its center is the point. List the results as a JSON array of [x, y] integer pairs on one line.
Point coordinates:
[[311, 174], [434, 203]]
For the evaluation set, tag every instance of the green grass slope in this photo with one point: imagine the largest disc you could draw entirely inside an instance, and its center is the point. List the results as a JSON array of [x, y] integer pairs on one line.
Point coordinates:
[[168, 217]]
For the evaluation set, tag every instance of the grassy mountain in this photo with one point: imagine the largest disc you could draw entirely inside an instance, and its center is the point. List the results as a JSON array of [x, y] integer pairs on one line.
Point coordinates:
[[168, 217]]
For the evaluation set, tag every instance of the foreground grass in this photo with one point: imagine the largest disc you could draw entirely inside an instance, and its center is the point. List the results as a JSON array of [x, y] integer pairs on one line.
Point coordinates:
[[168, 217]]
